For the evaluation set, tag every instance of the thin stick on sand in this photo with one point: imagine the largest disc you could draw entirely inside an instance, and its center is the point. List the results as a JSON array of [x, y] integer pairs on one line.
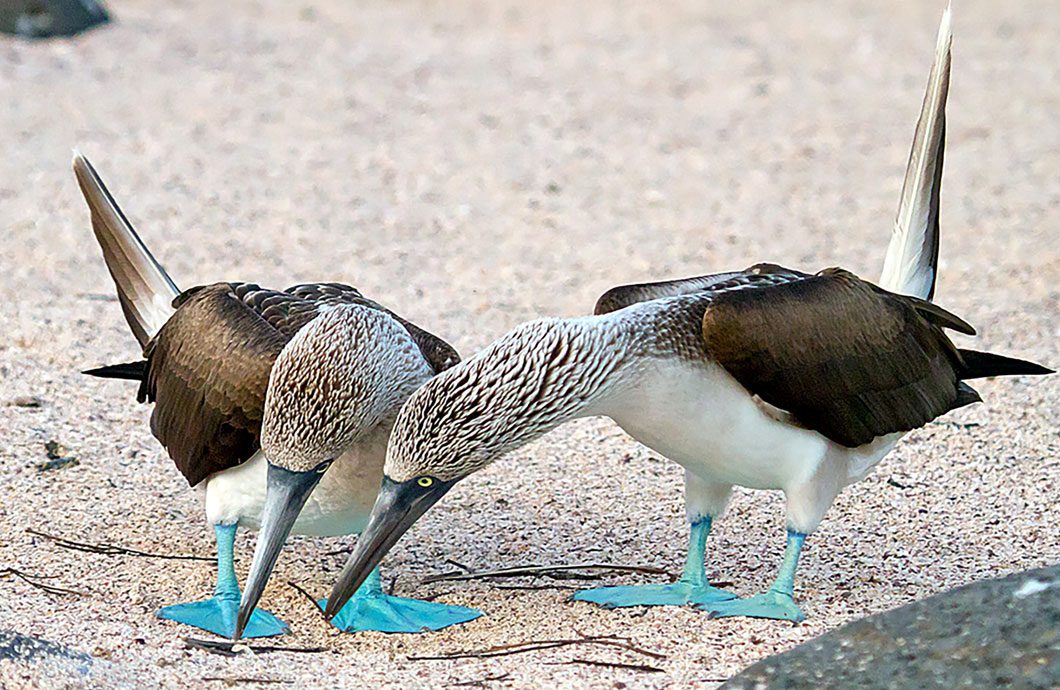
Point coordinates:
[[228, 680], [227, 648], [539, 645], [36, 581], [481, 682], [111, 549], [643, 668], [556, 572], [307, 595]]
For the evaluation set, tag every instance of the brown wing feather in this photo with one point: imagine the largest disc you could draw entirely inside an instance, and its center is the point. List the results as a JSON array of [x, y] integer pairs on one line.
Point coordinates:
[[624, 295], [207, 373], [845, 358]]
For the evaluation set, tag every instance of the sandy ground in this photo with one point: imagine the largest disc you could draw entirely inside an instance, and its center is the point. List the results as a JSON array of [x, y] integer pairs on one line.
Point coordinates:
[[473, 167]]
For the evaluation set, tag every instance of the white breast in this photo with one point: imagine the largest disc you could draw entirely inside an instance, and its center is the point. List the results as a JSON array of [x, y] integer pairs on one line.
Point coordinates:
[[697, 415], [339, 505]]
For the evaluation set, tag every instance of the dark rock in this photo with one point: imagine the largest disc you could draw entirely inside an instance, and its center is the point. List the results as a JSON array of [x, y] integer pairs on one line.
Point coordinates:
[[58, 463], [44, 18], [30, 662], [54, 449], [26, 400], [989, 634], [23, 648], [58, 457]]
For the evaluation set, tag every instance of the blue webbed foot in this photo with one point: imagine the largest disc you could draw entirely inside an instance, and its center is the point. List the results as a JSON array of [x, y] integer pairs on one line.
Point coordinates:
[[772, 604], [676, 594], [385, 613], [218, 615]]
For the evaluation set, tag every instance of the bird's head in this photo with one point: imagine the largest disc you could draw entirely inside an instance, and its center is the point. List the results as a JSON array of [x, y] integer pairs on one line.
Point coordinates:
[[338, 378]]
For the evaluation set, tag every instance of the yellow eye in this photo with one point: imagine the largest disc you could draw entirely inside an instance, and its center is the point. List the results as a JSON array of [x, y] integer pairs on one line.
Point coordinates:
[[425, 481]]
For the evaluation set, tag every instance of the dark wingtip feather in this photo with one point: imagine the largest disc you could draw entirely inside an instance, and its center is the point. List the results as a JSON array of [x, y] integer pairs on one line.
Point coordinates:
[[937, 315]]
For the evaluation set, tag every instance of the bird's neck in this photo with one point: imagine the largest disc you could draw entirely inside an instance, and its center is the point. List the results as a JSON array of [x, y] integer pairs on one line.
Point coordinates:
[[558, 370]]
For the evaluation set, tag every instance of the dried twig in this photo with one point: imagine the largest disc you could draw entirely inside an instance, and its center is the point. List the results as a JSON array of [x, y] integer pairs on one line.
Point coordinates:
[[624, 643], [226, 648], [481, 682], [539, 645], [627, 645], [307, 595], [111, 549], [537, 588], [644, 668], [556, 572], [35, 581], [458, 564], [97, 297], [228, 680], [26, 401]]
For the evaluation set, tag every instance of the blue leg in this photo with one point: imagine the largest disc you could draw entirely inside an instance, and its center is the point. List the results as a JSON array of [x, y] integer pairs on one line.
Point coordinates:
[[778, 603], [692, 588], [371, 609], [218, 613]]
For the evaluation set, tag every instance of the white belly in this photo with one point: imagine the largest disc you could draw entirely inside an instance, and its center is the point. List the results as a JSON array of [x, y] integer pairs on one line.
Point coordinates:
[[339, 505], [697, 415]]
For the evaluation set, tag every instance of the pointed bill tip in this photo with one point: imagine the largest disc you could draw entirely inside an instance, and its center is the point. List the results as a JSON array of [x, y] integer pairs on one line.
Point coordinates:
[[330, 610], [911, 263], [241, 623]]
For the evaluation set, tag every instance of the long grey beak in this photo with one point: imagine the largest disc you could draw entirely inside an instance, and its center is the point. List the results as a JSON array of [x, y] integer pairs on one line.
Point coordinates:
[[285, 495], [397, 507]]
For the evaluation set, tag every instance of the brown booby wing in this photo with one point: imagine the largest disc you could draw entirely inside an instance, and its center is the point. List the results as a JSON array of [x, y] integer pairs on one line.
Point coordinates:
[[208, 367], [844, 357], [207, 373]]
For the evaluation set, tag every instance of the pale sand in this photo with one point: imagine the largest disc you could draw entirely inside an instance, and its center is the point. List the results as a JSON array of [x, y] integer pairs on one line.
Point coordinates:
[[474, 168]]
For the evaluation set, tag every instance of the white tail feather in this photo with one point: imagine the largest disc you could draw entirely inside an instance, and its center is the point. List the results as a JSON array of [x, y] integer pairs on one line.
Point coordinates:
[[145, 291], [912, 256]]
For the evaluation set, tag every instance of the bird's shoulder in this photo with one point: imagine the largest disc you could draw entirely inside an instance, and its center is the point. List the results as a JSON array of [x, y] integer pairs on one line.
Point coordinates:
[[438, 353]]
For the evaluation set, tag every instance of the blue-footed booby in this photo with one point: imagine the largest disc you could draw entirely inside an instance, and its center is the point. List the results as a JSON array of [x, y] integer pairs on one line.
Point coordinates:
[[767, 378], [278, 405]]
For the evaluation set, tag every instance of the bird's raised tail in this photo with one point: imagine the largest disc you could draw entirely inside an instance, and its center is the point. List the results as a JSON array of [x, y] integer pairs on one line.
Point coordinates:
[[145, 291], [913, 253]]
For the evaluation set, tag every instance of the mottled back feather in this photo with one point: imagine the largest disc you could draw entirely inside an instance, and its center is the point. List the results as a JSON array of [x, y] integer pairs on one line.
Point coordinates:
[[438, 353]]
